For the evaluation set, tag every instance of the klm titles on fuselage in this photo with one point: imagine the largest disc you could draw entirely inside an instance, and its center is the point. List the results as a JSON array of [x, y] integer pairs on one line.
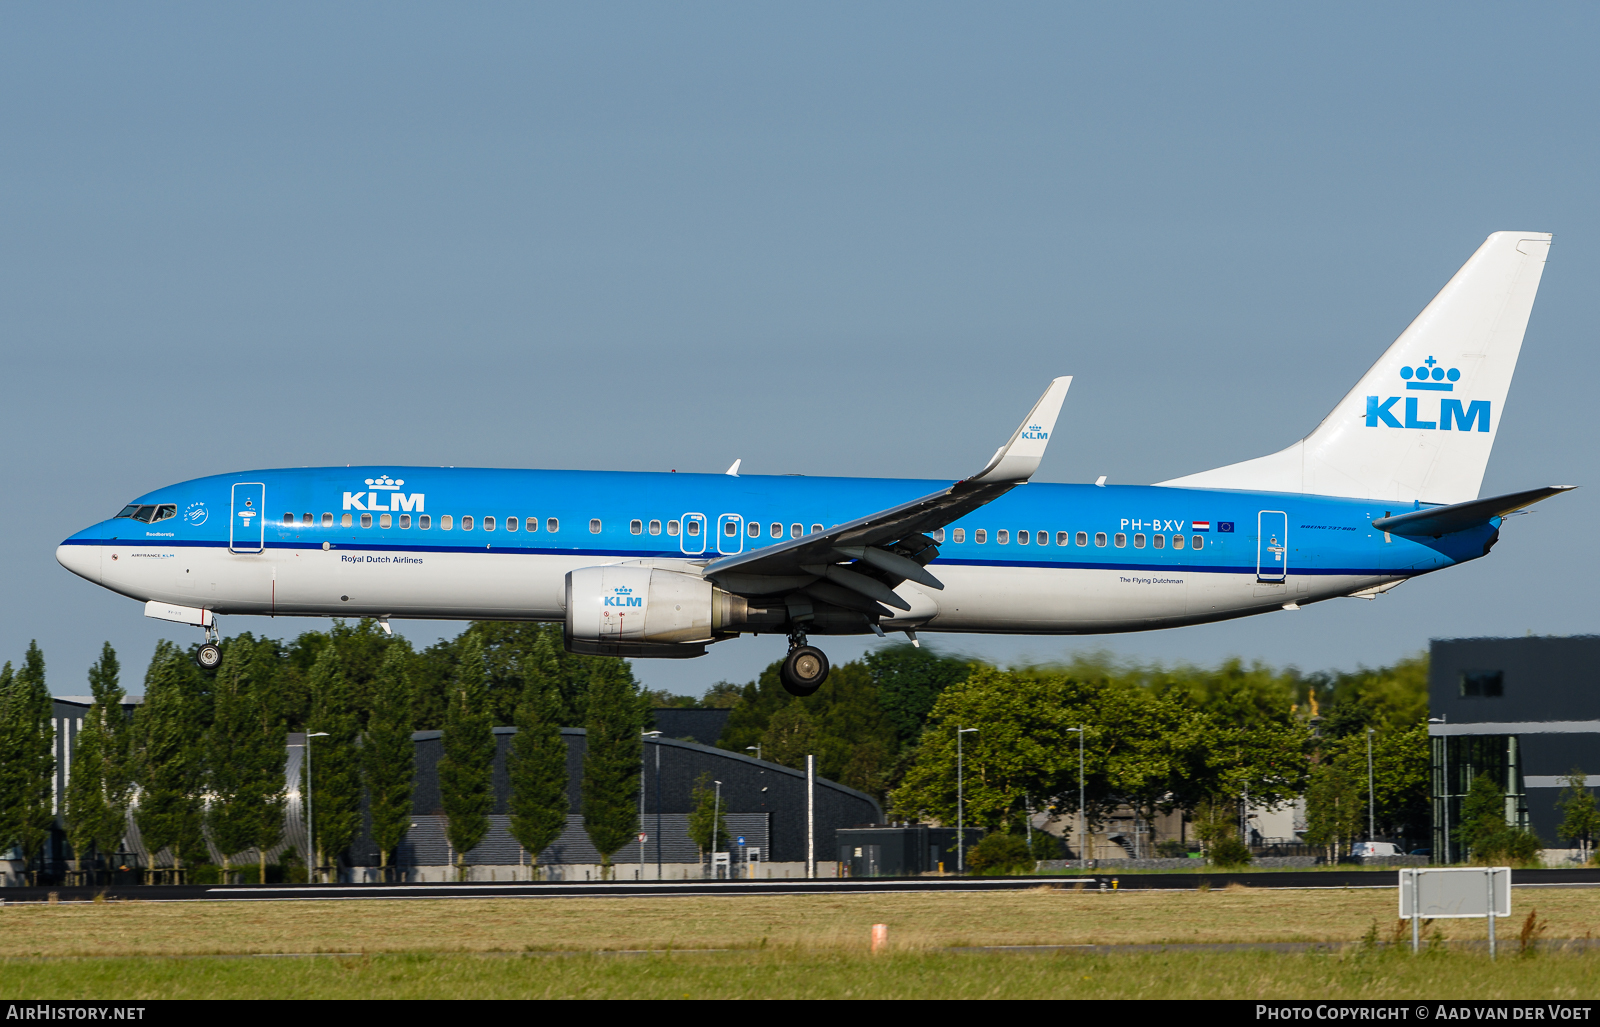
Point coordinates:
[[1430, 377], [385, 496]]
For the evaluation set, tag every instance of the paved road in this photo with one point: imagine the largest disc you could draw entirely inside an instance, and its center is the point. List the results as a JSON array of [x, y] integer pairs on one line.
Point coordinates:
[[1333, 879]]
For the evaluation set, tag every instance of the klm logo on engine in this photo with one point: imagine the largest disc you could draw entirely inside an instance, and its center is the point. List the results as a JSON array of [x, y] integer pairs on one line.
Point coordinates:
[[623, 597], [1034, 431], [385, 496], [1453, 414]]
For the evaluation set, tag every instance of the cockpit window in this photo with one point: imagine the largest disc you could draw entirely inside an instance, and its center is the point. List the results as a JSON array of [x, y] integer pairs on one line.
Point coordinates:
[[149, 514]]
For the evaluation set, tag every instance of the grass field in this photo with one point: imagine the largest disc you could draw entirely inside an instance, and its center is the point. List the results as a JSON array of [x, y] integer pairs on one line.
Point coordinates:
[[777, 946]]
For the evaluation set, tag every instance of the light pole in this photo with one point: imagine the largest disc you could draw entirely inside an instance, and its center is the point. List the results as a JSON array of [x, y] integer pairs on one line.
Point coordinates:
[[311, 843], [1083, 824], [756, 748], [1371, 812], [961, 808], [650, 735], [1444, 786], [716, 815]]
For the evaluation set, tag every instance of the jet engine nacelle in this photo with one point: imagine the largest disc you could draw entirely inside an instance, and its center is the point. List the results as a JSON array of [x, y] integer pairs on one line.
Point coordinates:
[[630, 610]]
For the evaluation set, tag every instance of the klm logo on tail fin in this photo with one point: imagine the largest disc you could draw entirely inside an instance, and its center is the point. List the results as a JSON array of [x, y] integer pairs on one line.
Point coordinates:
[[1430, 377]]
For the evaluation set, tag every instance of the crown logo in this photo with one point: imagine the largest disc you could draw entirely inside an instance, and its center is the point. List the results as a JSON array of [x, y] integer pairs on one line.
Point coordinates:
[[623, 591], [386, 482], [1430, 377]]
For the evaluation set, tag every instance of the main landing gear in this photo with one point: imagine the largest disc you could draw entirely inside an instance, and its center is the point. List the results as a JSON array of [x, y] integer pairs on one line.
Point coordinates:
[[804, 669], [209, 655]]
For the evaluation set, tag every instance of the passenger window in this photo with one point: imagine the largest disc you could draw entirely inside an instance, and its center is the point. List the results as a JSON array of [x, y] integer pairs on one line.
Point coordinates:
[[960, 535], [533, 524], [1062, 539], [594, 525], [1198, 542], [636, 527], [777, 530], [488, 524], [1121, 540], [938, 535], [1022, 538], [1002, 536], [980, 536], [1177, 542], [693, 528], [345, 521], [1138, 540], [425, 521], [466, 522], [672, 528], [1083, 538], [816, 529], [1159, 541], [511, 524], [1043, 538], [797, 531], [755, 529], [405, 521], [308, 520], [655, 528], [288, 518], [366, 520], [445, 522], [552, 524], [1100, 539], [730, 528], [385, 521]]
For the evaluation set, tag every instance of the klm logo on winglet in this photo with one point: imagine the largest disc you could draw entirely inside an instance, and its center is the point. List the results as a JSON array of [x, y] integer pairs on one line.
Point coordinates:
[[1429, 377], [623, 596], [1033, 431]]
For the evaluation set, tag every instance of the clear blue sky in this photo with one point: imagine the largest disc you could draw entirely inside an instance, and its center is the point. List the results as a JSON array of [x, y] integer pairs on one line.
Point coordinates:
[[823, 238]]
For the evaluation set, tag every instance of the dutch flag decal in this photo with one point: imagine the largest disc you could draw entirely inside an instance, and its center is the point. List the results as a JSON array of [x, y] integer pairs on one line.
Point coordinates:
[[1200, 525]]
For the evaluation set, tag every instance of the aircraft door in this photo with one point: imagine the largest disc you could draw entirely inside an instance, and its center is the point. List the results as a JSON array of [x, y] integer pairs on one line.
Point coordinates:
[[1272, 546], [730, 534], [692, 540], [247, 527]]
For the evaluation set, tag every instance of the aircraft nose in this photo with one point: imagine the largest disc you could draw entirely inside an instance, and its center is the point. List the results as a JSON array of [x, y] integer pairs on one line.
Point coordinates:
[[84, 561]]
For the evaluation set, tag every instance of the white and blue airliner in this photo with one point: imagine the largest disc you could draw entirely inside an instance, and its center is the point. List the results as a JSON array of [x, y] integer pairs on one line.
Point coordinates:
[[663, 565]]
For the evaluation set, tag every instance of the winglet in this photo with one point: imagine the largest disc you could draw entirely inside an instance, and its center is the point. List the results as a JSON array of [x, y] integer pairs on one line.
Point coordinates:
[[1019, 458], [734, 470]]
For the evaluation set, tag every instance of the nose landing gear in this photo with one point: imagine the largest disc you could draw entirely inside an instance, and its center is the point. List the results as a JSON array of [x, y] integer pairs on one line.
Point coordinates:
[[804, 669], [209, 655]]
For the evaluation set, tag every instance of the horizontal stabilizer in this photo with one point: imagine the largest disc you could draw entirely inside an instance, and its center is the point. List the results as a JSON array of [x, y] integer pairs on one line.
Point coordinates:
[[1445, 520]]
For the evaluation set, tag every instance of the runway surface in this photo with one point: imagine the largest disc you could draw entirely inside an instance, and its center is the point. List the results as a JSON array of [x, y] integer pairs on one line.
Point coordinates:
[[1101, 882]]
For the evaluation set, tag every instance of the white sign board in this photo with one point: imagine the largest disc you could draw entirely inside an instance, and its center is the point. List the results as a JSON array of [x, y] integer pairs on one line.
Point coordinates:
[[1445, 893]]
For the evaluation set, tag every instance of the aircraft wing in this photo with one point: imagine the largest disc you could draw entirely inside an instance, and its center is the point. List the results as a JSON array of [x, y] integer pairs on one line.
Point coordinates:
[[870, 539], [1444, 520]]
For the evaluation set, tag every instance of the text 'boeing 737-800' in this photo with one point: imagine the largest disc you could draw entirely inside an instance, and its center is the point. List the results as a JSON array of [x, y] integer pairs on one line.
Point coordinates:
[[663, 565]]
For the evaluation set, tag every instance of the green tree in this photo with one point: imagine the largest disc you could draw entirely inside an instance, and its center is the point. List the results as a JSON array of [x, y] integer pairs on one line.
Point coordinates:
[[1000, 853], [790, 737], [467, 767], [265, 751], [908, 680], [229, 754], [708, 824], [1483, 816], [98, 789], [335, 779], [538, 757], [611, 762], [1336, 807], [27, 756], [388, 755], [168, 738], [1580, 817]]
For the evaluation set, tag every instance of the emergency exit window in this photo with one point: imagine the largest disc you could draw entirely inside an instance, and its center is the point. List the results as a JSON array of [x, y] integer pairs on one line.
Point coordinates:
[[693, 528]]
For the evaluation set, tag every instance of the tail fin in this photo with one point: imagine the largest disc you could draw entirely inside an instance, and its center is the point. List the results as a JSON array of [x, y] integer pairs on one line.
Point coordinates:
[[1421, 422]]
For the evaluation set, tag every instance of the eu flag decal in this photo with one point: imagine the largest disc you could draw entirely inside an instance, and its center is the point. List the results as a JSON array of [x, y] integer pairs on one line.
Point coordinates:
[[1224, 525]]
